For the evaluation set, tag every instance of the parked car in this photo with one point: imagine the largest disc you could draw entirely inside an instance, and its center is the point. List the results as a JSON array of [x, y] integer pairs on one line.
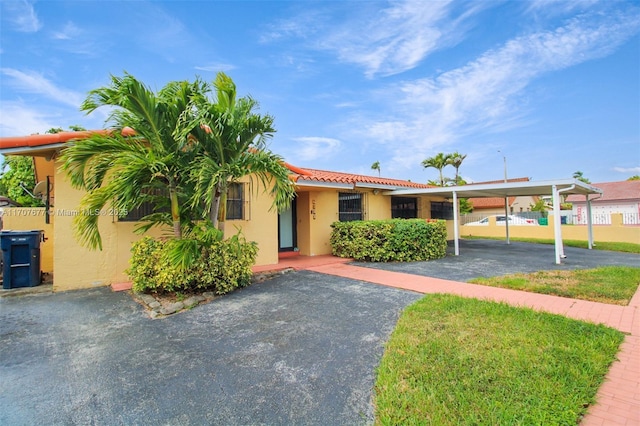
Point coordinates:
[[500, 220]]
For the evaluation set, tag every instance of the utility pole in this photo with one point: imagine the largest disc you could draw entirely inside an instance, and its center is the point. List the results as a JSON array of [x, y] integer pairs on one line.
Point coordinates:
[[506, 199]]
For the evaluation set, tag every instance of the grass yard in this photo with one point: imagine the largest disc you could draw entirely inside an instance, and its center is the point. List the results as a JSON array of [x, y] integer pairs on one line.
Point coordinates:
[[609, 284], [458, 361], [599, 245]]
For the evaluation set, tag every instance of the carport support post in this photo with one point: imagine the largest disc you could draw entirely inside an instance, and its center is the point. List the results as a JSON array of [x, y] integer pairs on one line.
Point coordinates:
[[557, 230], [456, 230], [589, 224]]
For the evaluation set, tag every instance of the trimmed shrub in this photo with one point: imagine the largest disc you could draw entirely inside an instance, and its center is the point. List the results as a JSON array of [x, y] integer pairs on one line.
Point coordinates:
[[222, 266], [403, 240]]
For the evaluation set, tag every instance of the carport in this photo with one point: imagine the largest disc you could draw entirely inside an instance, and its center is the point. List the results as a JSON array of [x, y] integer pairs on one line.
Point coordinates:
[[515, 189]]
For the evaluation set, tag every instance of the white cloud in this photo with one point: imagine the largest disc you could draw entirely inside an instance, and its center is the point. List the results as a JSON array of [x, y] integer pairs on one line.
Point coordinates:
[[68, 32], [312, 147], [18, 120], [382, 41], [21, 15], [635, 170], [484, 95], [393, 40], [216, 67], [32, 82]]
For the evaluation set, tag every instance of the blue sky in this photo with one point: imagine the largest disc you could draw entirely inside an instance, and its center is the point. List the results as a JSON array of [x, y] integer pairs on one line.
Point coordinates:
[[552, 85]]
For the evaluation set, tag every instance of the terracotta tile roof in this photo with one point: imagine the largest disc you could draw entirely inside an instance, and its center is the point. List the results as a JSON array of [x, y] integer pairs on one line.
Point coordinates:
[[489, 203], [32, 141], [613, 191], [41, 141], [349, 178]]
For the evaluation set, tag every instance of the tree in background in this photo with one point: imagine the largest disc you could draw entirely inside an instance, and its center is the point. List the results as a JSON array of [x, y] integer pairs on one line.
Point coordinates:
[[439, 162], [540, 206], [580, 176], [17, 175], [456, 160], [376, 166], [635, 177]]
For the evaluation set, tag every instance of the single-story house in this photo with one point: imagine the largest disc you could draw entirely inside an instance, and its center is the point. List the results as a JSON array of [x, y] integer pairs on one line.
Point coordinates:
[[618, 197], [322, 197]]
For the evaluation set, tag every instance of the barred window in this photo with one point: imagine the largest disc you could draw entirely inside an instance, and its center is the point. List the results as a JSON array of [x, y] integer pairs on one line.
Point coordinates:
[[350, 206], [235, 201], [441, 210], [158, 203], [404, 207]]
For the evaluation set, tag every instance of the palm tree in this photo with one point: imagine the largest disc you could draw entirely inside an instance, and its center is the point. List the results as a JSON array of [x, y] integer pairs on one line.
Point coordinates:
[[580, 176], [376, 166], [456, 160], [124, 169], [439, 162], [231, 143]]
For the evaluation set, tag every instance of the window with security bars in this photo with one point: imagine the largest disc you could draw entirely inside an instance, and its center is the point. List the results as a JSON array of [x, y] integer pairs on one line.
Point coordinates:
[[404, 207], [441, 210], [350, 206], [154, 205], [235, 201]]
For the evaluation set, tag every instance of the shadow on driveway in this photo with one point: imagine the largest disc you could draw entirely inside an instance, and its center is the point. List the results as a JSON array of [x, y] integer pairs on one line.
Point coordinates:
[[301, 348]]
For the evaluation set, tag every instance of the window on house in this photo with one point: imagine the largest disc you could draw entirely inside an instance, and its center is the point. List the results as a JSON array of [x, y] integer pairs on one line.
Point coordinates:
[[441, 210], [235, 201], [404, 208], [350, 206], [155, 204]]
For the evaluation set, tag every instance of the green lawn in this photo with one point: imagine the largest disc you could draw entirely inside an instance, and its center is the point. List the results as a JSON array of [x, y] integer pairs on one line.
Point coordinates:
[[621, 247], [458, 361], [609, 284]]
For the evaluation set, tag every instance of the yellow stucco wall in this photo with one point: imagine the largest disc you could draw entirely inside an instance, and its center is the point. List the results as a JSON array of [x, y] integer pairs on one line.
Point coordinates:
[[78, 267], [260, 224], [616, 232]]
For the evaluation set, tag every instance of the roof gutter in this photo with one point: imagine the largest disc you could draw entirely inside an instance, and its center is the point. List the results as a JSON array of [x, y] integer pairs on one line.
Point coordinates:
[[317, 184]]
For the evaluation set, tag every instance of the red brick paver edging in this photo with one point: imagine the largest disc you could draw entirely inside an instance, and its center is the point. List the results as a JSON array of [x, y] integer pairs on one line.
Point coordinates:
[[618, 399]]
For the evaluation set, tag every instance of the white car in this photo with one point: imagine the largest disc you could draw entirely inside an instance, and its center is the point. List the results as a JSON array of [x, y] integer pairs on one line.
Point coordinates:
[[500, 220]]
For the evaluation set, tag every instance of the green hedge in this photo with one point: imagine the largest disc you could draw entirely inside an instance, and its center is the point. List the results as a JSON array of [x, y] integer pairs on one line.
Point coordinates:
[[401, 240], [222, 267]]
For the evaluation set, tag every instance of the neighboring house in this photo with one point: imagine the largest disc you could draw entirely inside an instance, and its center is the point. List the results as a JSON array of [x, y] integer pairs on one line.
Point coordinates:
[[322, 197], [618, 197], [495, 205]]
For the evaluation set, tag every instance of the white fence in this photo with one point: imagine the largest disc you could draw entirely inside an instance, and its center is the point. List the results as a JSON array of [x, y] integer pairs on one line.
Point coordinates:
[[567, 217]]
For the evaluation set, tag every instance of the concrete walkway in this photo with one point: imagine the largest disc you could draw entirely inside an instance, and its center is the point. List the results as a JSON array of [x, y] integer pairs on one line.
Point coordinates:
[[618, 399]]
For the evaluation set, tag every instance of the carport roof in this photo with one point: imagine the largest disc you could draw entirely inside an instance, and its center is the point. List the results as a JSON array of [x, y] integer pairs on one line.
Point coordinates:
[[505, 189]]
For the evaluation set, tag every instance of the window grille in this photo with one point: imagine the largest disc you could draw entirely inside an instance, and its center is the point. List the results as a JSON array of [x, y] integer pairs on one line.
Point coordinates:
[[441, 210], [158, 203], [236, 201], [404, 207], [350, 206]]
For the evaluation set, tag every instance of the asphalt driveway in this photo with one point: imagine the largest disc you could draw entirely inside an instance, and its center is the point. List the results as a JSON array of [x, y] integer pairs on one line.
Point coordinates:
[[490, 258], [301, 348]]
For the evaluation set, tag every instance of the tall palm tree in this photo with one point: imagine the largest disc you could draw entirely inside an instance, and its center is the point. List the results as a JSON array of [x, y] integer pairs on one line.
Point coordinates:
[[125, 171], [231, 143], [580, 176], [439, 162], [456, 160], [376, 166]]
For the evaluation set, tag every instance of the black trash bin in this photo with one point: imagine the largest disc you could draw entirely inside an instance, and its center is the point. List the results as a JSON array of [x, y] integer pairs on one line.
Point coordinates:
[[21, 258]]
